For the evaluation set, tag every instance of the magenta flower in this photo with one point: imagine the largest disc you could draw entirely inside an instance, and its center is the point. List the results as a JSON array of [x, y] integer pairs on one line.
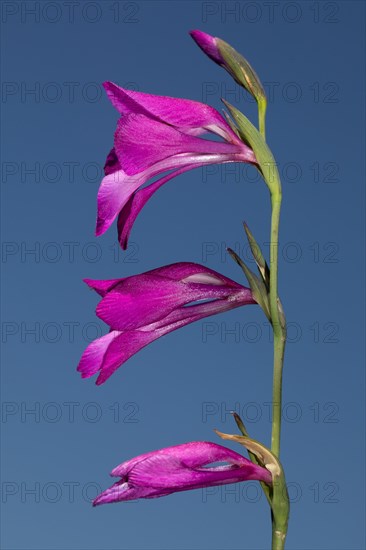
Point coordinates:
[[157, 134], [180, 468], [142, 308]]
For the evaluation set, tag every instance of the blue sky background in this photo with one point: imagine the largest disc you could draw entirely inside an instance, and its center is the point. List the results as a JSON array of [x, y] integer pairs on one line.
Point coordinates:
[[310, 56]]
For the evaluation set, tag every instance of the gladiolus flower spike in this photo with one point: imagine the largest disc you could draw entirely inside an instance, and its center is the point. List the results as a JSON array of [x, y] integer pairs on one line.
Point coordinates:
[[142, 308], [180, 468]]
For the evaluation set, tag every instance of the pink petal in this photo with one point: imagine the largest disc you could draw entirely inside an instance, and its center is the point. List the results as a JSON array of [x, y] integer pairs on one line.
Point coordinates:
[[187, 115], [120, 347], [143, 299], [114, 191], [92, 358], [140, 300], [122, 491], [193, 454], [137, 200], [112, 163], [180, 468], [102, 286], [130, 342], [124, 346], [182, 270], [141, 142], [189, 314], [118, 188]]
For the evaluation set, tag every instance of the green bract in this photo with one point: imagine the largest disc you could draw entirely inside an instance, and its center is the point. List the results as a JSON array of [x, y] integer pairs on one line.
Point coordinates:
[[251, 136]]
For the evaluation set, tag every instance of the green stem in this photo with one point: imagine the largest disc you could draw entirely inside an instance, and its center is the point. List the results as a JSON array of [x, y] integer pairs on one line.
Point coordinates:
[[280, 512], [280, 504], [279, 336], [279, 351], [278, 538]]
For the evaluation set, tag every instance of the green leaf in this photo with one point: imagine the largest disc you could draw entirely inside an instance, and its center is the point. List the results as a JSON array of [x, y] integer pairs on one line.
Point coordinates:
[[257, 286], [240, 424], [258, 256], [250, 135], [278, 496], [264, 456], [266, 489], [231, 123]]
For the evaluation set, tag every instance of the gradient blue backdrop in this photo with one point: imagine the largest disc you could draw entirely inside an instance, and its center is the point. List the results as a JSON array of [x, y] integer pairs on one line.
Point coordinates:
[[310, 56]]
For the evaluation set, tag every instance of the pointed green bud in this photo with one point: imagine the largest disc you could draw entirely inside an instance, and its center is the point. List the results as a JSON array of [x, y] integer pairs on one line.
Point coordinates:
[[237, 66]]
